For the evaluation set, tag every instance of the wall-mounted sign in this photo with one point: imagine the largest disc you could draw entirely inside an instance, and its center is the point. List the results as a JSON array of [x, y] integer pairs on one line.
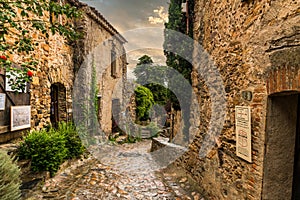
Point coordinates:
[[11, 78], [20, 117], [2, 101], [247, 95], [243, 132]]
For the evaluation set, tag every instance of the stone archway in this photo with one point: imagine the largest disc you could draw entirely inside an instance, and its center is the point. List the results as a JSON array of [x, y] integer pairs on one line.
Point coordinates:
[[280, 151], [281, 173], [58, 110]]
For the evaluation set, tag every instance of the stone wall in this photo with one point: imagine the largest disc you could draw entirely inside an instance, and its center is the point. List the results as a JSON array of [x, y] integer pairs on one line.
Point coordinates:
[[255, 46], [54, 66], [95, 51], [60, 60]]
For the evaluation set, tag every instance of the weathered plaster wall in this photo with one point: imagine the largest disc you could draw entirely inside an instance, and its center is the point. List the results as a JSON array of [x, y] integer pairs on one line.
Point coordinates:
[[100, 38], [243, 39]]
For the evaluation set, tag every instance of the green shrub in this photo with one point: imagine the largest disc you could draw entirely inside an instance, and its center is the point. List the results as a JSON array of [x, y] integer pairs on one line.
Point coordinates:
[[132, 139], [73, 142], [9, 178], [47, 150], [144, 101]]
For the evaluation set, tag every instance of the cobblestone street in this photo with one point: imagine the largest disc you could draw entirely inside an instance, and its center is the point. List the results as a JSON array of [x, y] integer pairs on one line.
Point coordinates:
[[124, 173]]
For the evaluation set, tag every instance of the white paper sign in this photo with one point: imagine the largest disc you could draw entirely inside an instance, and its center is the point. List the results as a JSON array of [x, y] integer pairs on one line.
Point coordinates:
[[20, 117], [2, 101], [243, 132], [12, 78]]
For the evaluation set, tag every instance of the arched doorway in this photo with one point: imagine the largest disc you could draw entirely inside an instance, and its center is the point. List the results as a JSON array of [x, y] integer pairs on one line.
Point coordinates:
[[58, 104], [281, 163]]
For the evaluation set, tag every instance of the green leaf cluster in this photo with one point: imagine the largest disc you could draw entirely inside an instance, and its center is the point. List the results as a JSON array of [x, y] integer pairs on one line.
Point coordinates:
[[145, 60], [73, 143], [47, 149], [144, 101], [154, 77], [19, 18]]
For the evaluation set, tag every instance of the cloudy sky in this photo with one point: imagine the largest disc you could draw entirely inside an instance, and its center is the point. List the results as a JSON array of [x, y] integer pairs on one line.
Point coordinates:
[[141, 22]]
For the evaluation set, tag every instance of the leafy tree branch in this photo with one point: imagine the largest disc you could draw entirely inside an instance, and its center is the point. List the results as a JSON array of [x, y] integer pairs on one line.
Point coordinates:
[[19, 19]]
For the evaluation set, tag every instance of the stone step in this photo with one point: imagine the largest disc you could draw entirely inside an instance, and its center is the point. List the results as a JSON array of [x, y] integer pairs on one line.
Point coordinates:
[[145, 134]]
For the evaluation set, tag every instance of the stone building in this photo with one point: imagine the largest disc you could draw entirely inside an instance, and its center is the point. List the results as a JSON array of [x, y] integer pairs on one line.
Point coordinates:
[[52, 87], [255, 46], [101, 50]]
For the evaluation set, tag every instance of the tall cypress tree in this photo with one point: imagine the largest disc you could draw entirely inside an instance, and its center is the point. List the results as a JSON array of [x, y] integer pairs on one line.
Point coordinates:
[[180, 23]]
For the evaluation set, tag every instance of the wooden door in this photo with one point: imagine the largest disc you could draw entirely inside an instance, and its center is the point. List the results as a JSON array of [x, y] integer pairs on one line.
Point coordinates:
[[54, 105]]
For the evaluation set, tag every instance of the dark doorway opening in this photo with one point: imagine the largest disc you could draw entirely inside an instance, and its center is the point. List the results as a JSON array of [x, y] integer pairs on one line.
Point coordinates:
[[116, 110], [296, 181], [281, 162], [58, 104]]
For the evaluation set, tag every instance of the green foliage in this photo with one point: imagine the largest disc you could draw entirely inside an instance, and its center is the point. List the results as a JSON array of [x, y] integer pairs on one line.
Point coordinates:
[[112, 139], [19, 18], [153, 77], [160, 93], [132, 139], [9, 178], [146, 72], [183, 50], [178, 60], [48, 149], [144, 101], [95, 89], [72, 139], [176, 17], [145, 60]]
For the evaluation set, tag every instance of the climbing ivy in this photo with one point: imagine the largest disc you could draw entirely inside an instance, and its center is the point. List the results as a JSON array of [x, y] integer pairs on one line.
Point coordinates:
[[18, 19]]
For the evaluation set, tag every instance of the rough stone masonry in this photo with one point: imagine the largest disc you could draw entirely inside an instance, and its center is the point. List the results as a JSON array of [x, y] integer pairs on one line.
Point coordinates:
[[60, 61], [256, 48]]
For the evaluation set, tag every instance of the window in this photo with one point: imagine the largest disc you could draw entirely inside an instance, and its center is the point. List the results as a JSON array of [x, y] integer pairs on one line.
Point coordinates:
[[113, 64]]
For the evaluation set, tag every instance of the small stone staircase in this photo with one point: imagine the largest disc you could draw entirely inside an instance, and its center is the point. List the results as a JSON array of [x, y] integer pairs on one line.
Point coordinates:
[[145, 134]]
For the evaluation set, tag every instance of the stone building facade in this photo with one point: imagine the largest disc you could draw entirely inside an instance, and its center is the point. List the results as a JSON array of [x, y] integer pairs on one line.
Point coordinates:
[[101, 50], [52, 86], [255, 46]]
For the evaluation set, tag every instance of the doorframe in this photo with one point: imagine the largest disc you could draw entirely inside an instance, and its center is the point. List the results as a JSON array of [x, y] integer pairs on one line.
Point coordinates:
[[57, 107], [277, 108], [54, 113], [297, 152]]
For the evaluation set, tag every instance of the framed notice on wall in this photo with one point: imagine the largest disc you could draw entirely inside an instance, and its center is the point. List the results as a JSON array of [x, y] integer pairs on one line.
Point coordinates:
[[20, 117], [2, 101], [243, 132]]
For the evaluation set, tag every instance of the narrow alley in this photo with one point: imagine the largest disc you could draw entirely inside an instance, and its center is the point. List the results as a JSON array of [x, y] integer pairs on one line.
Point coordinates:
[[93, 179]]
